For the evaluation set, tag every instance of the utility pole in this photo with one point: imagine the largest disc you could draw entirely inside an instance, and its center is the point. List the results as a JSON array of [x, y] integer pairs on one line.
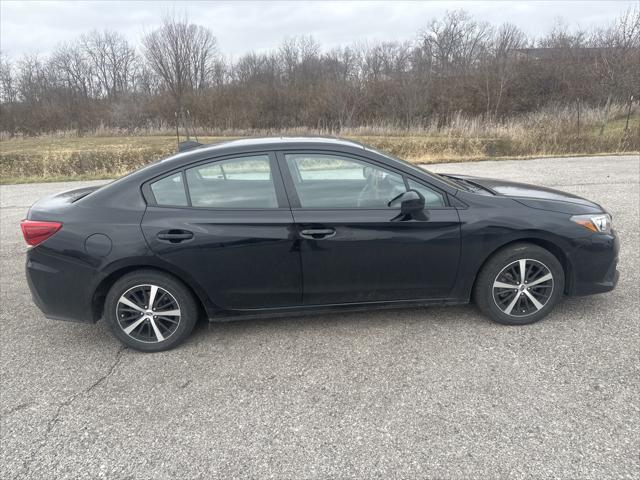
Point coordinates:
[[626, 127], [578, 117], [177, 128]]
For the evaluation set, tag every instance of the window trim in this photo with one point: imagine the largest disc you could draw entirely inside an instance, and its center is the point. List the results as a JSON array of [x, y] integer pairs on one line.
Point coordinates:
[[292, 192], [276, 177]]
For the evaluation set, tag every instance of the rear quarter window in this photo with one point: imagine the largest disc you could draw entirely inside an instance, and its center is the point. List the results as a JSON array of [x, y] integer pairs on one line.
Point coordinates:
[[170, 191]]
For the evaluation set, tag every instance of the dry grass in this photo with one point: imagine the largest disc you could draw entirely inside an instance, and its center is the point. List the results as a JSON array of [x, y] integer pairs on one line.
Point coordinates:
[[551, 132]]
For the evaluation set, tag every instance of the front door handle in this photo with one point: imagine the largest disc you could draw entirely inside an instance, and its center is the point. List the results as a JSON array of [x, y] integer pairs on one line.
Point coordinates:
[[175, 236], [317, 233]]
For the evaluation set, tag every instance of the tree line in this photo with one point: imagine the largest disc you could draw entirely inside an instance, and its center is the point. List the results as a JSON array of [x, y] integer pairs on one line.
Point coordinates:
[[455, 65]]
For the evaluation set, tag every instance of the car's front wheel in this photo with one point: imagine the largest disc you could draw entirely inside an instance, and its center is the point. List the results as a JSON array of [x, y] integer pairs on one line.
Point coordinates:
[[150, 311], [519, 284]]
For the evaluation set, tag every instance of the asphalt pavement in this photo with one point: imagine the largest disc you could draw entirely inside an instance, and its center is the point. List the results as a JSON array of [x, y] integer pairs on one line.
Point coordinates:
[[438, 393]]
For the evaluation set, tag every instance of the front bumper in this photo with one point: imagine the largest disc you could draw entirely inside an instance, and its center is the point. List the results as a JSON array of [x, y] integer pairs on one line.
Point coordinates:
[[594, 265]]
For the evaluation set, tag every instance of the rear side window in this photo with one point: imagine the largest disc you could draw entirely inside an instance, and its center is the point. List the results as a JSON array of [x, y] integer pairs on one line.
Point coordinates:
[[170, 191], [237, 183]]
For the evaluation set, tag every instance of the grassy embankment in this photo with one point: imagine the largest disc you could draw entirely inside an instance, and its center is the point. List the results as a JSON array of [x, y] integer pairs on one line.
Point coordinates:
[[65, 157]]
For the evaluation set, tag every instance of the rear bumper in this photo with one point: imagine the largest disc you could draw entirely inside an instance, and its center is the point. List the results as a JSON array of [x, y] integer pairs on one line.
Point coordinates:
[[594, 265], [60, 288]]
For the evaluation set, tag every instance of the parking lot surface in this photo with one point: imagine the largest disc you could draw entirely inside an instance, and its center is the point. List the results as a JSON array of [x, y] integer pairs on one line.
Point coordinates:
[[424, 392]]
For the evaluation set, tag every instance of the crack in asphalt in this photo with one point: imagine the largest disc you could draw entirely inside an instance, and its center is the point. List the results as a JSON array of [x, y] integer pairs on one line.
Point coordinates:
[[15, 409], [28, 462]]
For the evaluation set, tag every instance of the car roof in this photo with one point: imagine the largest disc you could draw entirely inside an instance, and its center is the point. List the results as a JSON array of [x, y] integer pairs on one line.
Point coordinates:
[[267, 142]]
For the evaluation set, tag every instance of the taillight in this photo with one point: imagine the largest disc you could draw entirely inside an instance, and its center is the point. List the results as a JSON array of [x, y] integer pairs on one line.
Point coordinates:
[[37, 232]]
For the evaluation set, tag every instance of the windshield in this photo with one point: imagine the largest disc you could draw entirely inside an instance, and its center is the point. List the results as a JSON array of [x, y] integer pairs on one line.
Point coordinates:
[[444, 179]]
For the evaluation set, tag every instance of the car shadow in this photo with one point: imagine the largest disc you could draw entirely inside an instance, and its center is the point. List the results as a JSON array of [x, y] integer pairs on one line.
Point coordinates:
[[334, 322]]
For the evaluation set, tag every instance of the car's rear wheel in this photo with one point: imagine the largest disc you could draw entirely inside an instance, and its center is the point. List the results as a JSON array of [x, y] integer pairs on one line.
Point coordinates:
[[150, 311], [520, 284]]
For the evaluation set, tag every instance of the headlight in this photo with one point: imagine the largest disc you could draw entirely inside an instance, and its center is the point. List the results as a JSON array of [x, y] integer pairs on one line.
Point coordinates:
[[600, 223]]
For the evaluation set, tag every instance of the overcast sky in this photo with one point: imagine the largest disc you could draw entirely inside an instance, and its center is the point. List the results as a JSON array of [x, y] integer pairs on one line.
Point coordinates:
[[38, 26]]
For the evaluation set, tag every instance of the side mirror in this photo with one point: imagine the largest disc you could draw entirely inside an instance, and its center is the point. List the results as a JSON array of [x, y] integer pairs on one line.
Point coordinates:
[[411, 205]]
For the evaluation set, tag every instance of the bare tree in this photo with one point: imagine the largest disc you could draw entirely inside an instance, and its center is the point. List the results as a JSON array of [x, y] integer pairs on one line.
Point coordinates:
[[32, 79], [455, 42], [72, 69], [561, 36], [112, 61], [8, 96], [619, 48], [502, 62], [297, 52], [8, 90], [182, 55], [342, 88]]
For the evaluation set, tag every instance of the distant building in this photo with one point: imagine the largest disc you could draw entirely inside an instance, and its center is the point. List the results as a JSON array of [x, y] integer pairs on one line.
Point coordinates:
[[561, 53]]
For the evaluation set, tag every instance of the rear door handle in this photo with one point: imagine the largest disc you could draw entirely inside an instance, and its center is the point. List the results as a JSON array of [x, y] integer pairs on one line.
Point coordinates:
[[317, 233], [175, 236]]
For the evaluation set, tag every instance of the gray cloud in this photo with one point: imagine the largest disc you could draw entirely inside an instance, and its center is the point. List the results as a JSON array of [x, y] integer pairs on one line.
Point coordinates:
[[37, 27]]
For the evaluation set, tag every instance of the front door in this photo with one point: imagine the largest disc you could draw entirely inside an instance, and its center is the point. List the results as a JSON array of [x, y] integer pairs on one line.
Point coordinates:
[[354, 248], [231, 230]]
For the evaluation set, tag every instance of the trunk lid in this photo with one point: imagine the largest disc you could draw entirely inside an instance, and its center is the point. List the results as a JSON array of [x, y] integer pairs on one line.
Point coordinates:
[[53, 205]]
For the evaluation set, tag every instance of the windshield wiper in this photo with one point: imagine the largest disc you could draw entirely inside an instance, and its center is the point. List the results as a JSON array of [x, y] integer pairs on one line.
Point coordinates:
[[463, 183], [468, 185]]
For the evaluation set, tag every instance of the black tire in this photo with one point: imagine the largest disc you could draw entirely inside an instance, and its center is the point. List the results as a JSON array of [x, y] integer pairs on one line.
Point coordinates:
[[172, 296], [503, 268]]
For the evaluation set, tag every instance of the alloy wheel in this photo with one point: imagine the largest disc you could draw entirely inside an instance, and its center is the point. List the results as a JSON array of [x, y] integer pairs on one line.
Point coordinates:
[[523, 287], [148, 313]]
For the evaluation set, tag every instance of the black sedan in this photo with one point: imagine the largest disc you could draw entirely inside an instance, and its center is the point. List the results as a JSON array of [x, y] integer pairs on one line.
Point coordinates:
[[282, 226]]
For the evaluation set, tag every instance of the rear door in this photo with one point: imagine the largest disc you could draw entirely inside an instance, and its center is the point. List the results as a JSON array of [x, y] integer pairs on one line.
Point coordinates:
[[227, 224], [354, 248]]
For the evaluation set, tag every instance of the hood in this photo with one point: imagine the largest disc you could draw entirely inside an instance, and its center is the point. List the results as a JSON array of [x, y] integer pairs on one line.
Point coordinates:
[[535, 196]]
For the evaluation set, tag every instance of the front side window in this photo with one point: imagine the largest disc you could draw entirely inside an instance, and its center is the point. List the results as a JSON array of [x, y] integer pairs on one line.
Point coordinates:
[[432, 199], [330, 181], [237, 183]]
